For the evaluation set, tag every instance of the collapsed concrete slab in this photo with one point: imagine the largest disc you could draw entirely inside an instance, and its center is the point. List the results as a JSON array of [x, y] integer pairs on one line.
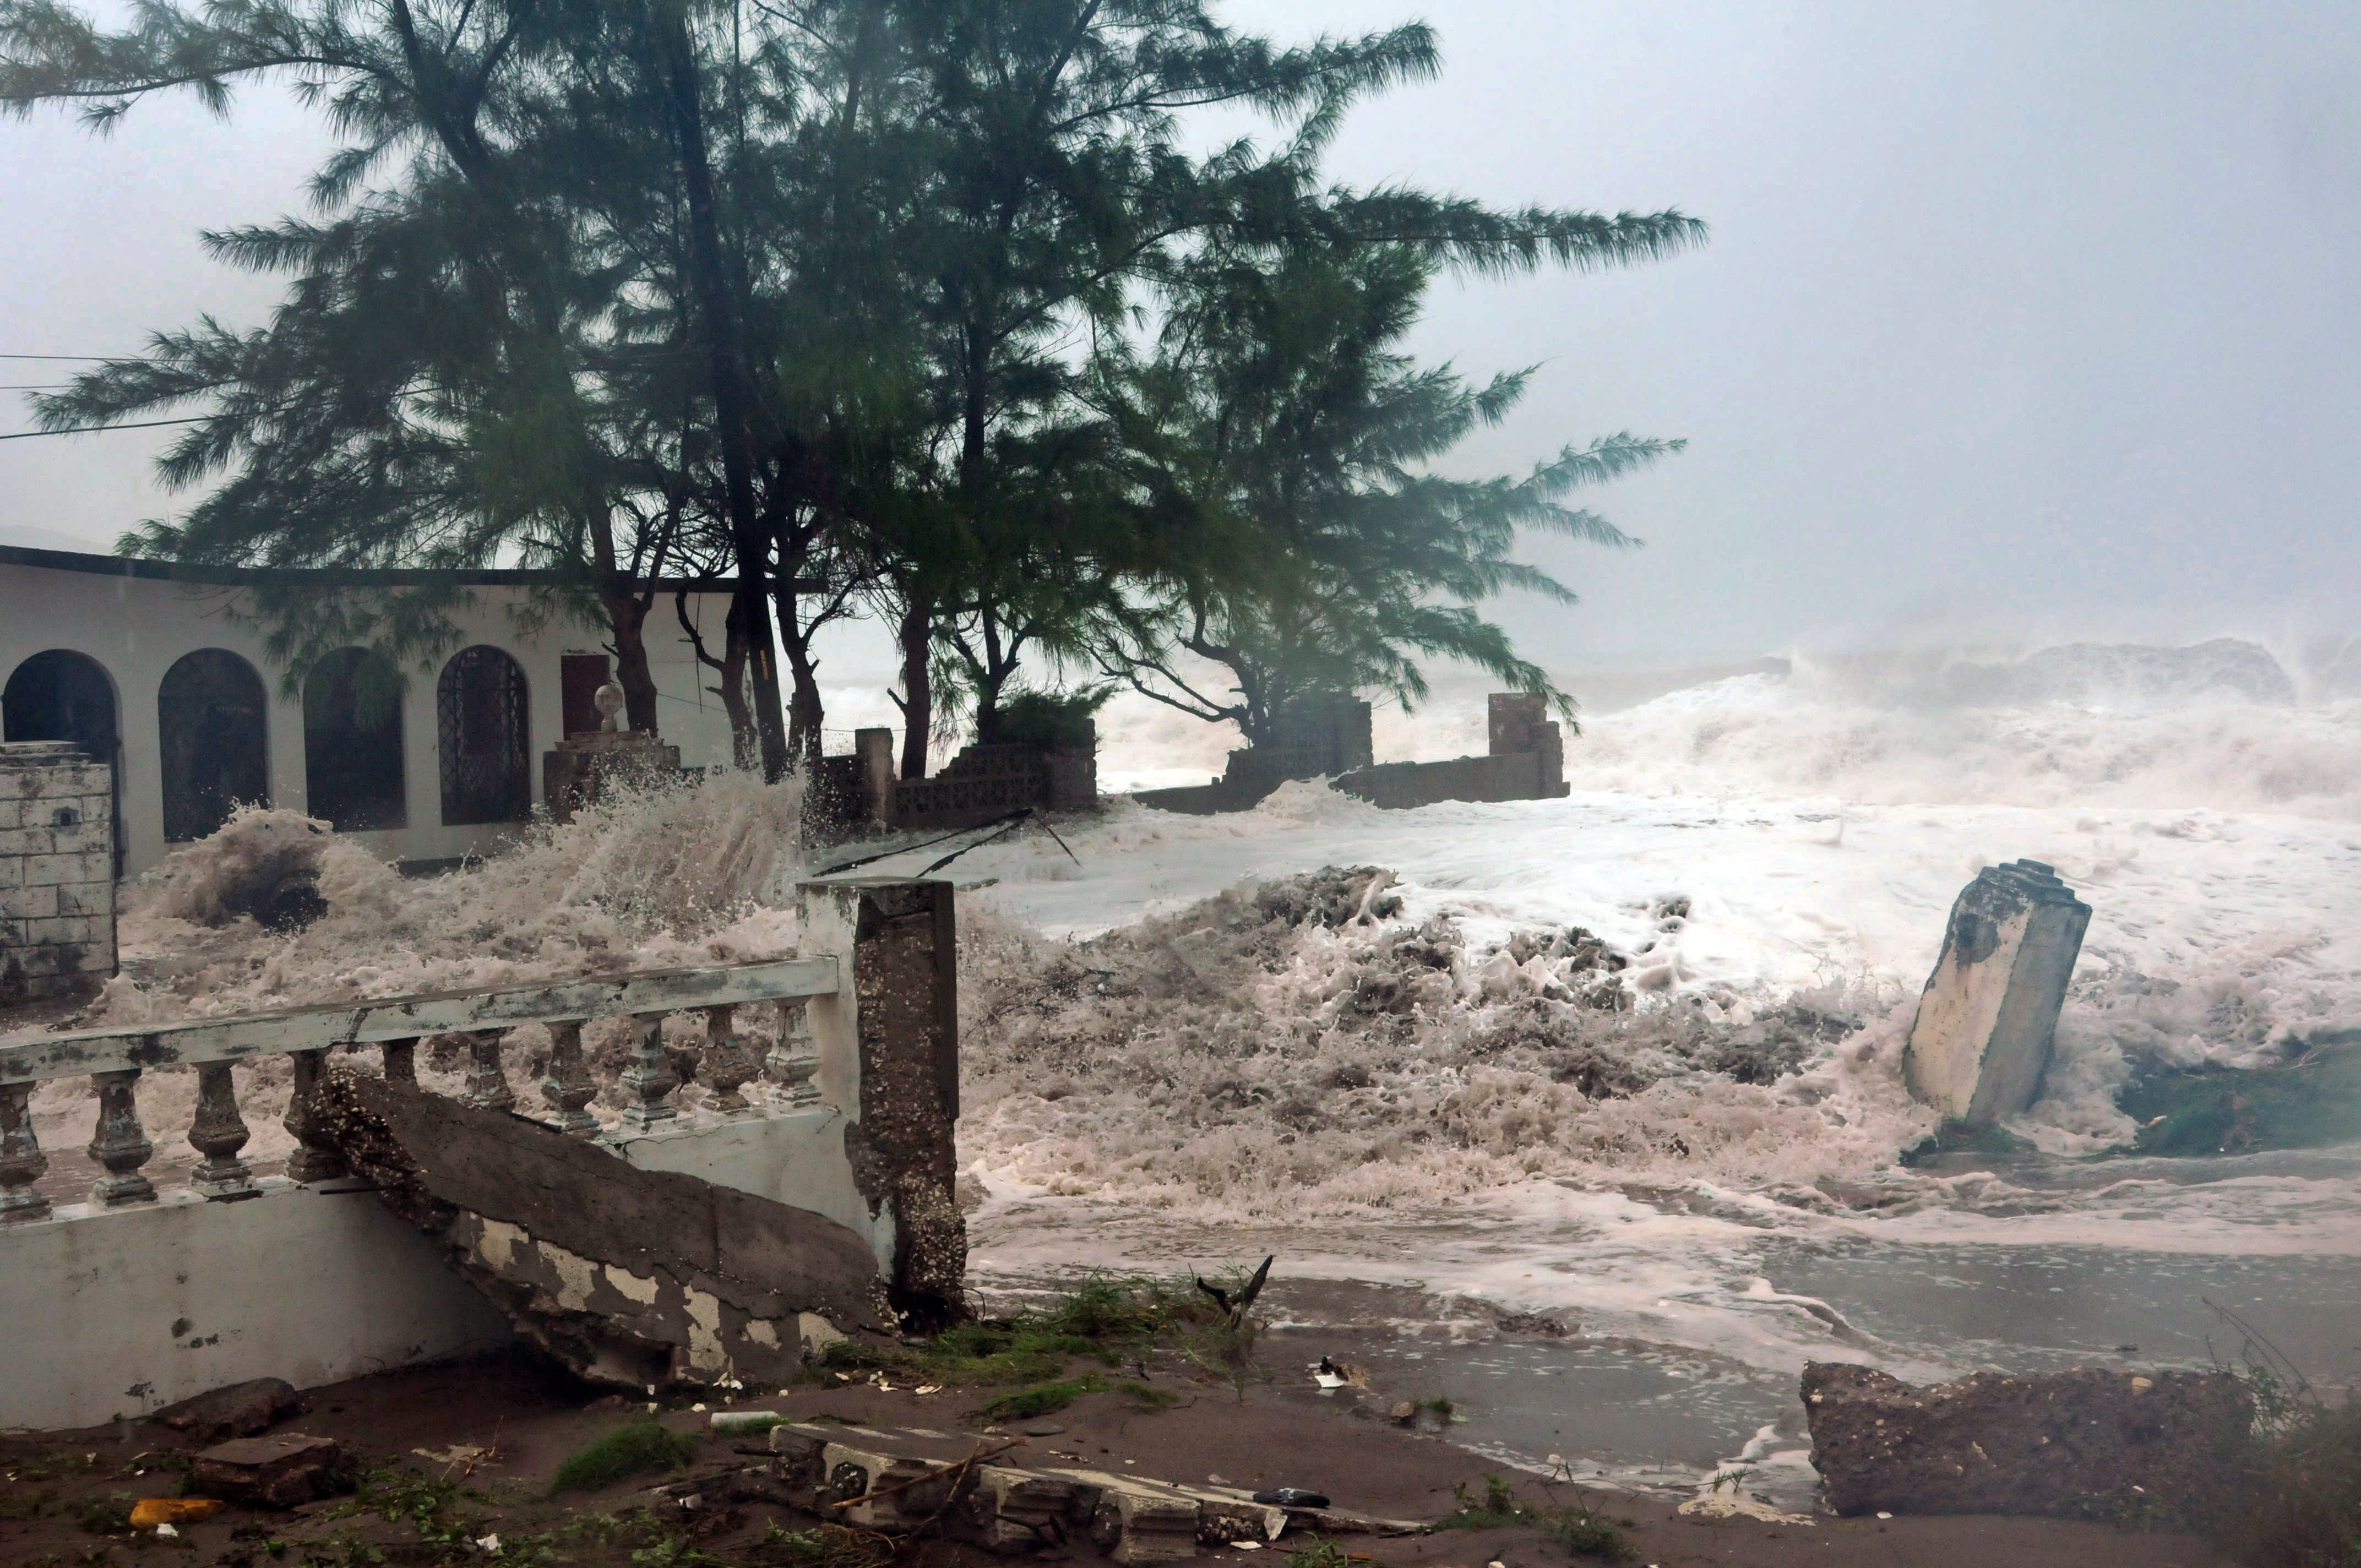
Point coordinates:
[[630, 1278], [2085, 1443], [1988, 1018]]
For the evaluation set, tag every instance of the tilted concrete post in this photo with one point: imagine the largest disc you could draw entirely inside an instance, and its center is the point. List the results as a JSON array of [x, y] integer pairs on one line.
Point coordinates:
[[1988, 1018], [888, 1047]]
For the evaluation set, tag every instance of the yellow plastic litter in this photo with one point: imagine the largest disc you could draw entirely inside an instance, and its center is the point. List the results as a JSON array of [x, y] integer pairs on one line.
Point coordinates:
[[149, 1512]]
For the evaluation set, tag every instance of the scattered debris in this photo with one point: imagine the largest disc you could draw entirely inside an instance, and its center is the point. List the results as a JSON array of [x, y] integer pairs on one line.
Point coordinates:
[[237, 1410], [743, 1420], [275, 1472], [2069, 1444], [906, 1482], [162, 1513]]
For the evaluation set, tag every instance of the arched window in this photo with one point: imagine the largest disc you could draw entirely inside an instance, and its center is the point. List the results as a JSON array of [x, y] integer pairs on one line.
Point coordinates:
[[352, 741], [213, 717], [479, 710], [63, 696]]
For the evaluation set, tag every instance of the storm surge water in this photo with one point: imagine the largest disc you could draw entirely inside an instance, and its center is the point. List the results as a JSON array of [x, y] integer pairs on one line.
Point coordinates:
[[1711, 1168], [2217, 726]]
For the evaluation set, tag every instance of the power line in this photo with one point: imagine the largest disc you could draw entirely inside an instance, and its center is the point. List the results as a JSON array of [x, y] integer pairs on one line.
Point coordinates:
[[87, 429], [77, 357]]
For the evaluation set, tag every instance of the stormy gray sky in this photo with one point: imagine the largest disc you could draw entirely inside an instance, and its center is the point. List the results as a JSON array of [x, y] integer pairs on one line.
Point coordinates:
[[2019, 320]]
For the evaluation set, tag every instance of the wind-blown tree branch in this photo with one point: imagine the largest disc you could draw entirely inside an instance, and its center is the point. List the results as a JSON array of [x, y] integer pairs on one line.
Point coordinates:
[[415, 401], [1329, 556]]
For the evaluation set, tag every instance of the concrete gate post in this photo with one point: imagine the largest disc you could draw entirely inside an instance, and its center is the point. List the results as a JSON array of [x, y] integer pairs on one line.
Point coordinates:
[[888, 1047]]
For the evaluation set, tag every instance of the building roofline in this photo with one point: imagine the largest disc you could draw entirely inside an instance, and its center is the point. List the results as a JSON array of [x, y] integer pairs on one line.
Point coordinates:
[[382, 578]]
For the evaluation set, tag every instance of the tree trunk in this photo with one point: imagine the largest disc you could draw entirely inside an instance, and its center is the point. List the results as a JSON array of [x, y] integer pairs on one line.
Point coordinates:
[[733, 400], [627, 615], [916, 634], [805, 712]]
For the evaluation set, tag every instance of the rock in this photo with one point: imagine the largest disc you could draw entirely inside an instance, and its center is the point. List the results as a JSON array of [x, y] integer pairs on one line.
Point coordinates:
[[627, 1277], [1403, 1411], [275, 1472], [2084, 1443], [1044, 1429], [239, 1410], [1989, 1014]]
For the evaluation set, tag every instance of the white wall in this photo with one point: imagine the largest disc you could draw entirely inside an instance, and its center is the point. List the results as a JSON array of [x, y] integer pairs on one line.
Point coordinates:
[[135, 628]]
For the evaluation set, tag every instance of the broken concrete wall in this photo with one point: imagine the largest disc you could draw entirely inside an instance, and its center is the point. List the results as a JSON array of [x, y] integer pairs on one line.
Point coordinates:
[[628, 1277], [2090, 1443], [57, 870], [1988, 1018], [888, 1045]]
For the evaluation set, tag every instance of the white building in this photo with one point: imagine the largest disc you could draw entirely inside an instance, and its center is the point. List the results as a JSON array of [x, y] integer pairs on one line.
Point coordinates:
[[150, 666]]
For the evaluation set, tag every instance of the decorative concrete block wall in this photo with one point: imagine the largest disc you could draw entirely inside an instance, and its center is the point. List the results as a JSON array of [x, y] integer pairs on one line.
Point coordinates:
[[57, 870]]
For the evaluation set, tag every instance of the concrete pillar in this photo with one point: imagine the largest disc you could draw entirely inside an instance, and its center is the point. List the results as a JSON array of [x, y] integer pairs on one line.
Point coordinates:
[[888, 1047], [57, 870], [873, 753], [1989, 1015]]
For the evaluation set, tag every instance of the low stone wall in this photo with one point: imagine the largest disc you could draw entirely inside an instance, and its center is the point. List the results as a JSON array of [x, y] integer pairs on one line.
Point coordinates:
[[57, 870], [1399, 787], [985, 783], [142, 1297], [120, 1311]]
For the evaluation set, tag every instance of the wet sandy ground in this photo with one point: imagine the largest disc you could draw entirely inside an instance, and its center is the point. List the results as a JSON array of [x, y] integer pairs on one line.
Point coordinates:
[[1277, 1434]]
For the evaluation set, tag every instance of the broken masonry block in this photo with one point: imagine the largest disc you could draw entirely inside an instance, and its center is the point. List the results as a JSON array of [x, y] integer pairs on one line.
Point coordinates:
[[239, 1410], [2088, 1444], [1143, 1527], [275, 1472], [1016, 1510], [630, 1278], [1988, 1018]]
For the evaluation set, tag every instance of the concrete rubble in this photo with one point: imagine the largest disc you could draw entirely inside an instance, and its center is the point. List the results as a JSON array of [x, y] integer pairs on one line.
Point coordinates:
[[239, 1410], [999, 1494], [273, 1472], [630, 1278], [1988, 1018], [2086, 1443]]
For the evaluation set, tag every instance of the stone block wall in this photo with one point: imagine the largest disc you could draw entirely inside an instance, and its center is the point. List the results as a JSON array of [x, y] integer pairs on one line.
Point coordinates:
[[57, 870]]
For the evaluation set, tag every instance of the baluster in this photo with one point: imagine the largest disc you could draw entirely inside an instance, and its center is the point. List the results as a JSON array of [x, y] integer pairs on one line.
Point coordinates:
[[726, 1067], [120, 1143], [317, 1159], [401, 1061], [21, 1159], [488, 1087], [795, 1061], [649, 1078], [569, 1085], [218, 1132]]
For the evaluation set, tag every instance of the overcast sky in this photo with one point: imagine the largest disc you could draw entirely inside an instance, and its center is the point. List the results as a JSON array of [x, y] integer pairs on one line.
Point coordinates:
[[2018, 319]]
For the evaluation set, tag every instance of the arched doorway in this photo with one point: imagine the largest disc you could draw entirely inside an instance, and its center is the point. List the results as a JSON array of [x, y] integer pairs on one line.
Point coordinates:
[[352, 741], [212, 714], [59, 695], [480, 709]]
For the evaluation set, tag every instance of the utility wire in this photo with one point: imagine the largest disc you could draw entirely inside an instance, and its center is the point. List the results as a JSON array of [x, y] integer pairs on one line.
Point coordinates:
[[90, 429]]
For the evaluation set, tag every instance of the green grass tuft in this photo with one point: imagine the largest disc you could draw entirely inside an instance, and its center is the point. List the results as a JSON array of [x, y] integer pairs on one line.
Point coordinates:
[[633, 1449], [1579, 1531]]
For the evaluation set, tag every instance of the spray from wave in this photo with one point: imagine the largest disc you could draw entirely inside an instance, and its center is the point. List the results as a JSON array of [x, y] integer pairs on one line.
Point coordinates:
[[2217, 726]]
